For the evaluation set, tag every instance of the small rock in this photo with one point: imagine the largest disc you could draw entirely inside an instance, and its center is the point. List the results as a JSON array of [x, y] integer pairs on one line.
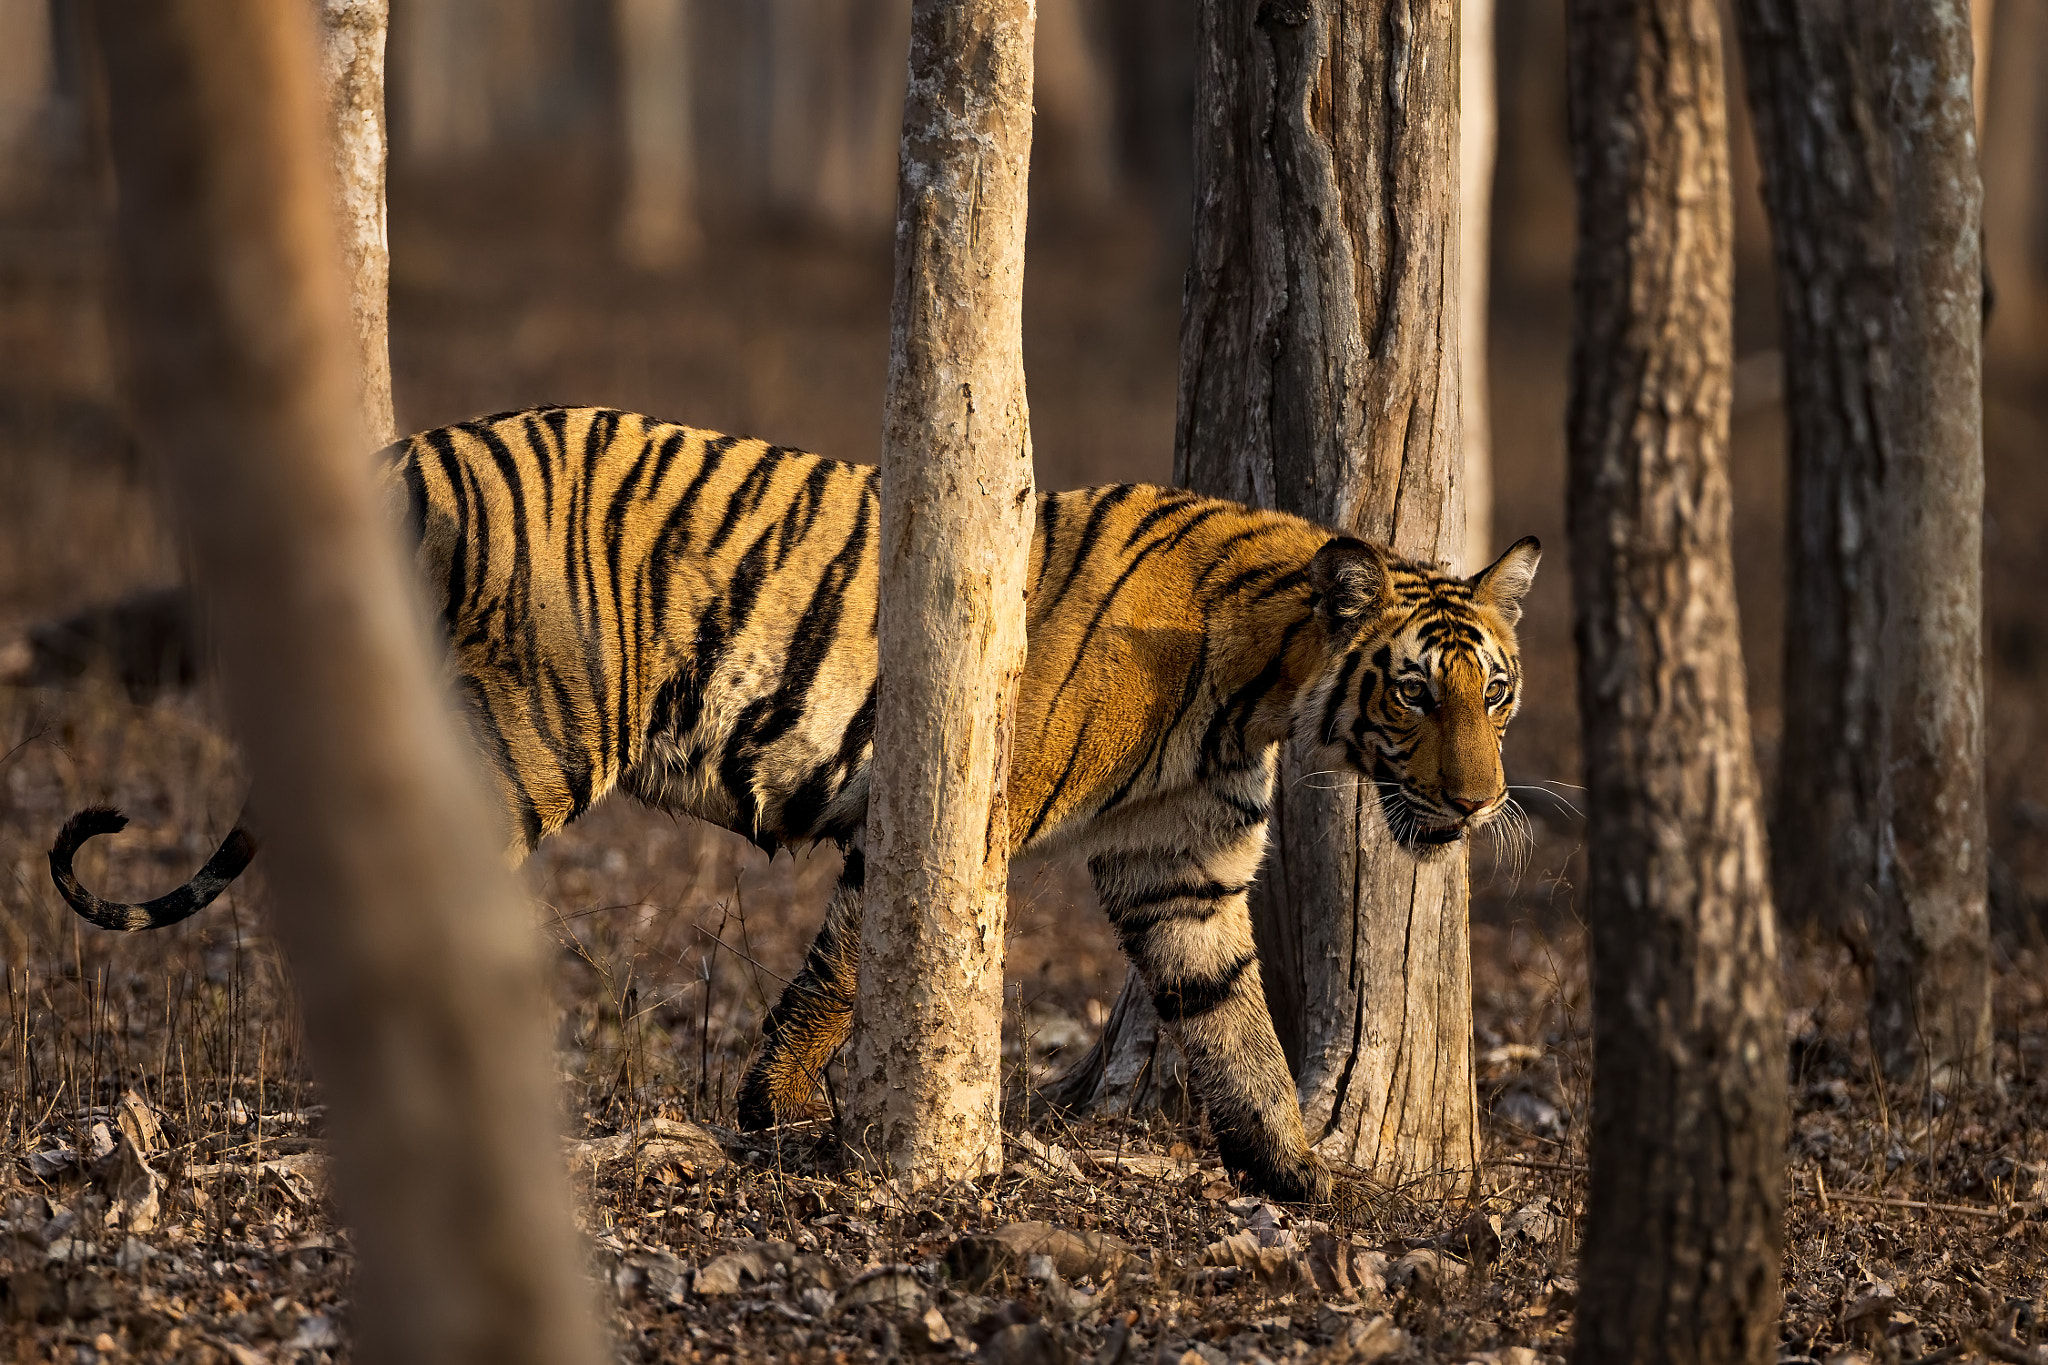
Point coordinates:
[[817, 1301], [100, 1142], [316, 1333]]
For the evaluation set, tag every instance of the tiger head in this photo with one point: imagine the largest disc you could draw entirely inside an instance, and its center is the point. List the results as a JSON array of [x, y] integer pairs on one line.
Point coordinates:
[[1421, 680]]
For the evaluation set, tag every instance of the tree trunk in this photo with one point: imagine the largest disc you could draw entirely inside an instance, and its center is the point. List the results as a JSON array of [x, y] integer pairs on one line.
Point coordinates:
[[1478, 137], [834, 107], [1930, 1006], [1319, 375], [2012, 115], [957, 515], [658, 228], [352, 65], [1815, 75], [27, 81], [414, 961], [1684, 1218], [443, 64]]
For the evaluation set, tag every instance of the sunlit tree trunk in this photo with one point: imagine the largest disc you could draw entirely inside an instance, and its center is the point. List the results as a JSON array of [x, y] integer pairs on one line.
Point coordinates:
[[957, 511], [1930, 1008], [1684, 1219], [352, 66], [415, 964]]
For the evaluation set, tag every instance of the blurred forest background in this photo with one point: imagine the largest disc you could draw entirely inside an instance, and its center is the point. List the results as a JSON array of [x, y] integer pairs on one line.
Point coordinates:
[[522, 273]]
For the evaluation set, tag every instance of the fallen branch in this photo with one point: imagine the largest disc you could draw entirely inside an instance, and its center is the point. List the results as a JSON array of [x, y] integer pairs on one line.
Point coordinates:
[[1823, 1196]]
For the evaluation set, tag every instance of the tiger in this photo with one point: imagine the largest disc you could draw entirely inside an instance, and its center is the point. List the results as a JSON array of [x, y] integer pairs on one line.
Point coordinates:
[[690, 617]]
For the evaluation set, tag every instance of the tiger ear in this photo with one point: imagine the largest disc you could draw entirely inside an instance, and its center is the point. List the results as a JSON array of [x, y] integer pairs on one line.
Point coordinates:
[[1349, 579], [1505, 582]]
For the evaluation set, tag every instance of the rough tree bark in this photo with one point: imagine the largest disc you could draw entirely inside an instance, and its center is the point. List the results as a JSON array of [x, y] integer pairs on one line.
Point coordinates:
[[1478, 138], [1319, 375], [352, 66], [1816, 75], [416, 969], [957, 513], [1930, 999], [1684, 1218], [658, 227]]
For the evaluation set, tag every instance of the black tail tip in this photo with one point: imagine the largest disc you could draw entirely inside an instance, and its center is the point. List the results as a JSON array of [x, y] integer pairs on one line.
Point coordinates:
[[89, 823]]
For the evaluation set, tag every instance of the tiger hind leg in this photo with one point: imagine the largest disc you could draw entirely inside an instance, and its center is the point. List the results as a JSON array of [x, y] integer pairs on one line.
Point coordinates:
[[811, 1021]]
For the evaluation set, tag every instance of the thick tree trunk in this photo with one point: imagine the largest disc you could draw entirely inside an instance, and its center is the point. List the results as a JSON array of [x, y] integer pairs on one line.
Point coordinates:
[[352, 65], [1478, 139], [1684, 1227], [1930, 1004], [1815, 75], [415, 965], [956, 521], [1319, 375], [658, 228]]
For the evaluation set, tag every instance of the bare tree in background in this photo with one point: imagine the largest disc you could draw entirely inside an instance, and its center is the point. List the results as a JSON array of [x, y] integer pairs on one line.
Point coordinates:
[[2010, 116], [1930, 1006], [1816, 89], [1319, 375], [658, 227], [1478, 139], [1684, 1222], [416, 969], [27, 77], [834, 106], [956, 521], [352, 67]]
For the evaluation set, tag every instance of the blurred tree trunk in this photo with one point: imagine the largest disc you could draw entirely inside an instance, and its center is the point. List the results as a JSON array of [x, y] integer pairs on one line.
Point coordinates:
[[414, 963], [1816, 76], [1319, 353], [2011, 115], [1076, 133], [1478, 135], [441, 68], [834, 107], [1930, 1007], [27, 82], [956, 520], [352, 66], [658, 227], [1684, 1219]]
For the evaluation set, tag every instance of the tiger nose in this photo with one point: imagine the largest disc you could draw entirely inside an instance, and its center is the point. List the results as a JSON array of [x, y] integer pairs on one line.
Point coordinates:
[[1466, 805]]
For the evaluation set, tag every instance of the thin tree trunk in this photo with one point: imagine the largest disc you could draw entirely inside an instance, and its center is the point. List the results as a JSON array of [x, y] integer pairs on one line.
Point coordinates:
[[442, 62], [658, 227], [2011, 116], [1684, 1219], [1815, 75], [1930, 1007], [1319, 375], [352, 65], [415, 966], [1478, 138], [956, 521]]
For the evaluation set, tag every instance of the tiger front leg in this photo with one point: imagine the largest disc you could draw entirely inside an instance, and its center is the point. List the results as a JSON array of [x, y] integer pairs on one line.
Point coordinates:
[[811, 1021], [1190, 936]]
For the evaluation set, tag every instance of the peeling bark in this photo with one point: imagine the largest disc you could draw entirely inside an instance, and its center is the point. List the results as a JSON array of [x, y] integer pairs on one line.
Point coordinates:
[[956, 521], [1319, 375], [352, 65]]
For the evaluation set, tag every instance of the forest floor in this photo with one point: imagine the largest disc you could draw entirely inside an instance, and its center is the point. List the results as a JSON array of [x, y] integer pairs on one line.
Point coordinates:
[[1914, 1222]]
